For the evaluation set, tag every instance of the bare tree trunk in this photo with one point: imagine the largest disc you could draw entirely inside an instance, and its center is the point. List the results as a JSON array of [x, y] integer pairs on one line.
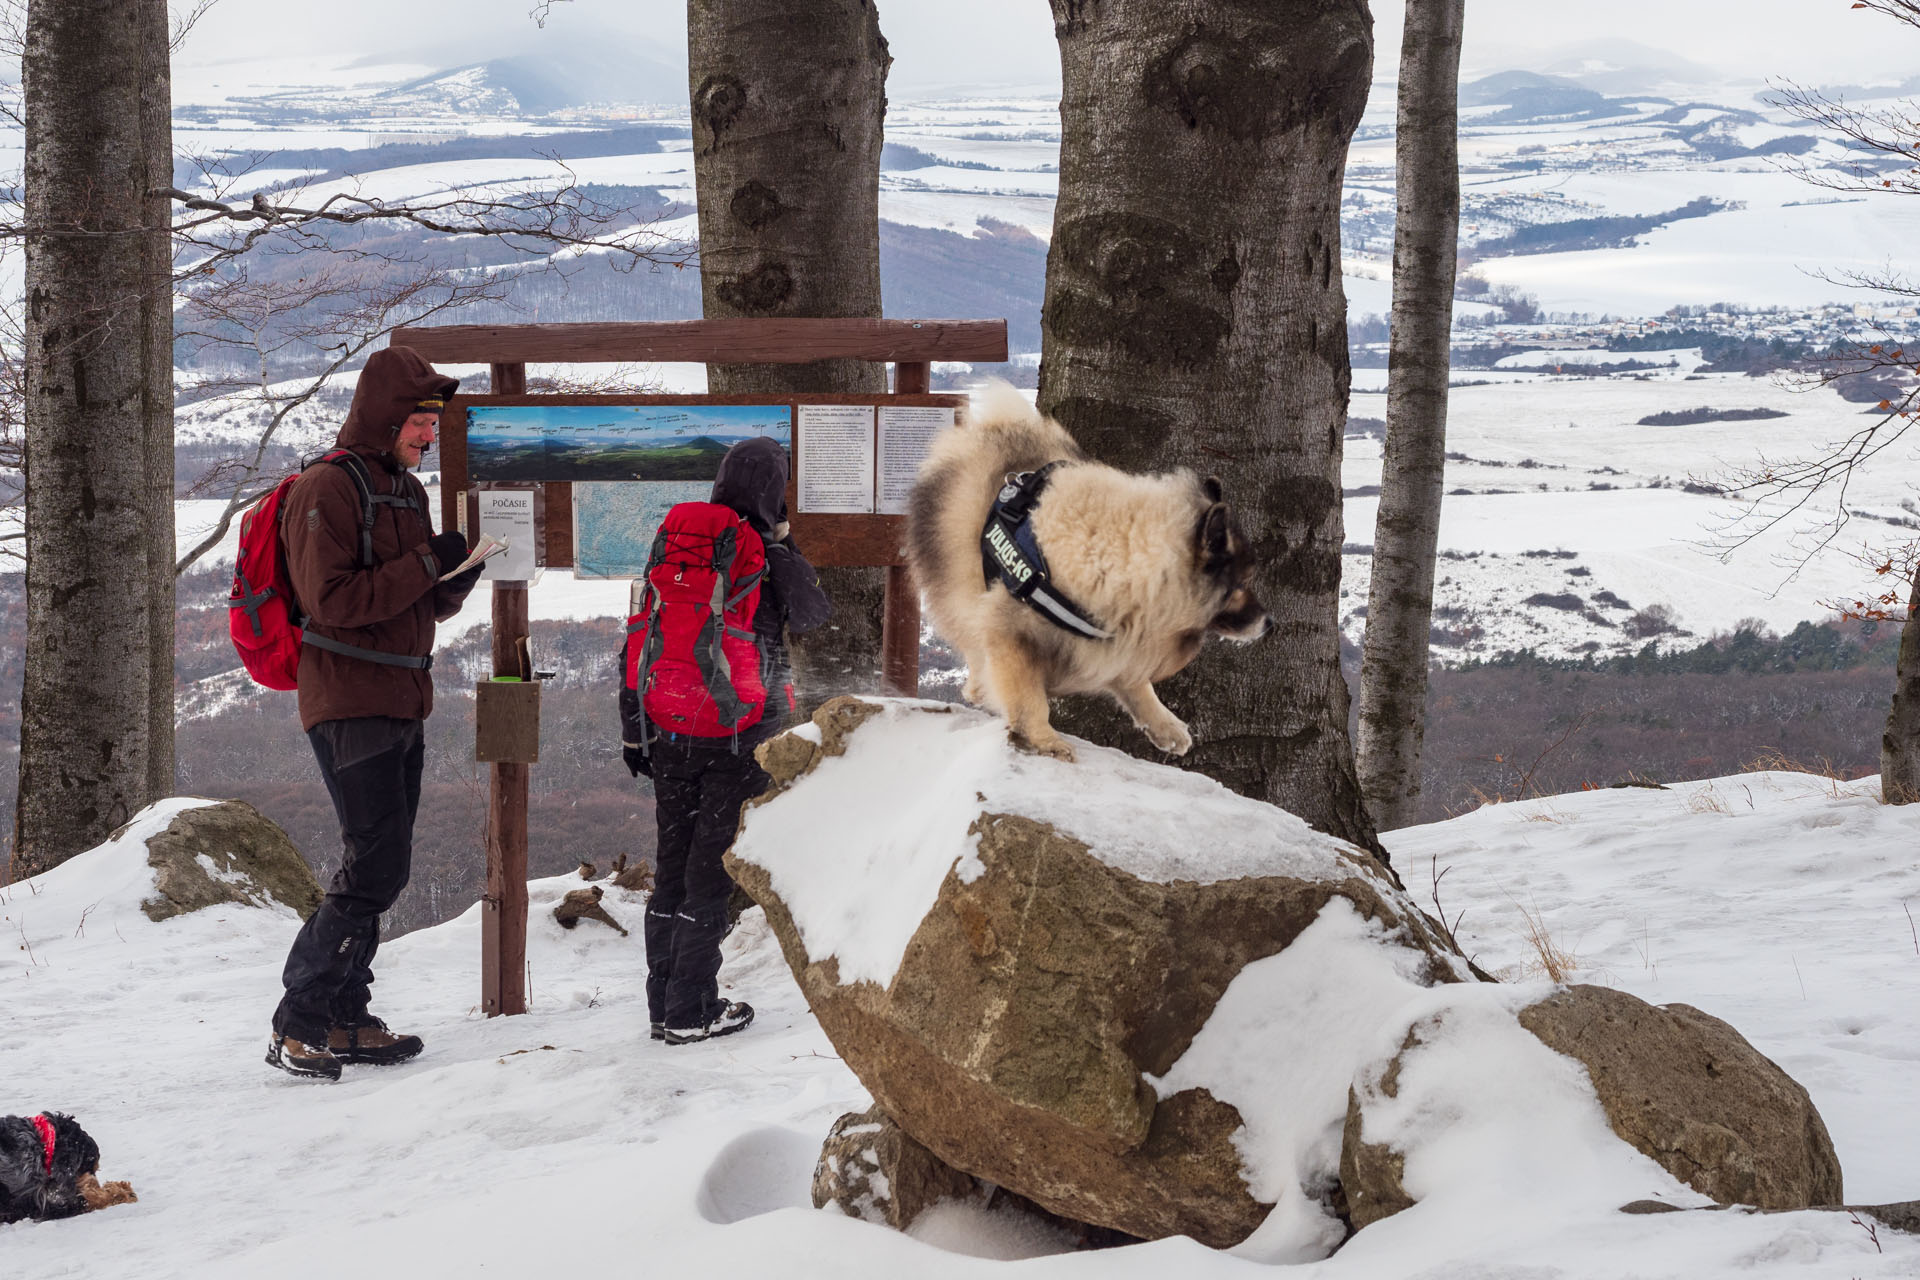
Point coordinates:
[[1393, 670], [788, 101], [1195, 318], [156, 336], [86, 704], [1900, 744]]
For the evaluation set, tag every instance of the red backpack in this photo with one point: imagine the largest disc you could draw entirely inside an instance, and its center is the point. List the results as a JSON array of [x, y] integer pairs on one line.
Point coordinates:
[[265, 621], [691, 654]]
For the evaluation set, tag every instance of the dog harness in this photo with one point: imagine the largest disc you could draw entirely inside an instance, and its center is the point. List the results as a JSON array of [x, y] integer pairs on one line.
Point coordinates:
[[44, 1127], [1010, 555]]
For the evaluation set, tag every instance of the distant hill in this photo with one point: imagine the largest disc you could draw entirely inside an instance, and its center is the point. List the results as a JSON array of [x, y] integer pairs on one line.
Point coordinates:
[[1529, 96], [334, 162], [542, 83]]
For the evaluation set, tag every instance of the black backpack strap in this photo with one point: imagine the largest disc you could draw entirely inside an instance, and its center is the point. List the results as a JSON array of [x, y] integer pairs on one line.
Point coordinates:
[[370, 502], [349, 462]]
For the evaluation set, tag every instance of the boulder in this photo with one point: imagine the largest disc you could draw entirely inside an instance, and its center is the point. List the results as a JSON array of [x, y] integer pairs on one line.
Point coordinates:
[[1688, 1090], [227, 852], [1682, 1089], [870, 1169], [1015, 955]]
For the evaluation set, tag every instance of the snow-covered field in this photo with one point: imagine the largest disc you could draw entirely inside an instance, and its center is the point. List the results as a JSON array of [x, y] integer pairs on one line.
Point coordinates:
[[565, 1142], [1543, 462]]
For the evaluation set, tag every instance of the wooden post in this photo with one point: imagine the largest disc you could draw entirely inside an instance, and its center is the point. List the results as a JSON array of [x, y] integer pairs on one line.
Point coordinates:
[[508, 379], [900, 614], [503, 916]]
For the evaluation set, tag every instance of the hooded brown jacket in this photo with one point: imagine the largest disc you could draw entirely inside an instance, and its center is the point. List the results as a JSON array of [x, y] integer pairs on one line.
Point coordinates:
[[393, 606]]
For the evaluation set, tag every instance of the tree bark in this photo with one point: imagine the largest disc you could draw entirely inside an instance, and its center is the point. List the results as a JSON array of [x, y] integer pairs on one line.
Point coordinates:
[[1393, 670], [788, 101], [87, 707], [156, 335], [1900, 744], [1195, 318]]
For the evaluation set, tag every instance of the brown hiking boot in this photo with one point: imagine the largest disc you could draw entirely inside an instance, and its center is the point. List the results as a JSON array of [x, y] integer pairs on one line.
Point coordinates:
[[370, 1042], [300, 1059]]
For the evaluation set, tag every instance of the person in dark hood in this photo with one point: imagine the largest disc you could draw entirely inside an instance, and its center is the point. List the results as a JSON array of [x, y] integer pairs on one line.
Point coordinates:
[[372, 598], [700, 784]]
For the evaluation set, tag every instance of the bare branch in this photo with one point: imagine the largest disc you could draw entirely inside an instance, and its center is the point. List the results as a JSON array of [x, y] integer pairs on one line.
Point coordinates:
[[184, 23]]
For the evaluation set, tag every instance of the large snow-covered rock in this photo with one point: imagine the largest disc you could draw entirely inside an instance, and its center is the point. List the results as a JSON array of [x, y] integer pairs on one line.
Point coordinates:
[[1115, 988], [226, 851], [1688, 1090], [1579, 1091]]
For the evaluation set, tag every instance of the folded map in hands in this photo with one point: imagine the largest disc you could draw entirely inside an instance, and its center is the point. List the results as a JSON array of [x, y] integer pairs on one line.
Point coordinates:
[[486, 549]]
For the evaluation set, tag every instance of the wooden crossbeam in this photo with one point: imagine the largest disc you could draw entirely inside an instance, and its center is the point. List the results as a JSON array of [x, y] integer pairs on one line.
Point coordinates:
[[784, 341]]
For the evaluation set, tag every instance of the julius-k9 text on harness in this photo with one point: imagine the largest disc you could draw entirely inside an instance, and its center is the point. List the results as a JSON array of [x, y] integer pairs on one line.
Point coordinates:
[[1010, 555]]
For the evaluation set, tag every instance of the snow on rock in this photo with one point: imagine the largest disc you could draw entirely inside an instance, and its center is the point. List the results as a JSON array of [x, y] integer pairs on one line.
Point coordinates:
[[858, 875], [1461, 1110], [103, 889], [1041, 970], [1782, 902], [1282, 1046], [227, 853], [178, 856]]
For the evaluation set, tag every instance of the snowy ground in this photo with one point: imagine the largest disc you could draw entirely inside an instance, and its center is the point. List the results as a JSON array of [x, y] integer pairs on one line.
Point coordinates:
[[566, 1142]]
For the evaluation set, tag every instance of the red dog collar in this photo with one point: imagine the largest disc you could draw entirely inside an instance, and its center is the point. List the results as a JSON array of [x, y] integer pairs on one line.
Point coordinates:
[[45, 1128]]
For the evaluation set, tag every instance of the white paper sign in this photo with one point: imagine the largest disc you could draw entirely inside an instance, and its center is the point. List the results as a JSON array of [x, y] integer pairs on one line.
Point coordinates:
[[906, 433], [507, 514], [836, 459]]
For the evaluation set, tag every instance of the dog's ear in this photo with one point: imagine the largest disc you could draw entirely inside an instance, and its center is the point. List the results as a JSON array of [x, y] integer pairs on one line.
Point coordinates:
[[1216, 537], [1212, 487], [74, 1150]]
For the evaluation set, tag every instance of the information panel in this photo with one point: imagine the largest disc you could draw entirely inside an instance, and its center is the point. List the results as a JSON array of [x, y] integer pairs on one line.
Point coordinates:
[[906, 433], [507, 514], [836, 459]]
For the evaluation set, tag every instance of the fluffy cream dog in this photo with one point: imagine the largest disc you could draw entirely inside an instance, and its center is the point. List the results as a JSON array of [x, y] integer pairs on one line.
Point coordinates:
[[1156, 562]]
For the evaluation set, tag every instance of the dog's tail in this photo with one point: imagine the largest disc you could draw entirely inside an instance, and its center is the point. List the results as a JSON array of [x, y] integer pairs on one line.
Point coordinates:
[[1023, 438], [997, 405]]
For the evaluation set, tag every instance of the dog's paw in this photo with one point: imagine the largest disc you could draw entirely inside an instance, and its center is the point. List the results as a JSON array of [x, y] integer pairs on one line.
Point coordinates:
[[971, 691], [1170, 735], [1051, 745], [103, 1195]]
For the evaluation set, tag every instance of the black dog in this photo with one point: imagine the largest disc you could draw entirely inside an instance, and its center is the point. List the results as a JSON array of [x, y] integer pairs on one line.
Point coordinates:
[[48, 1165]]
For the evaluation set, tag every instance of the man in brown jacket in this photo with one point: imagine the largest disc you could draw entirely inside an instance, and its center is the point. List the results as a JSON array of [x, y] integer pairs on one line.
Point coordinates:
[[372, 596]]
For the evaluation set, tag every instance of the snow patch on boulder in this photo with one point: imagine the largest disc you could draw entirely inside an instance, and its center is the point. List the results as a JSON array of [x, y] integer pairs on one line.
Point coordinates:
[[859, 877]]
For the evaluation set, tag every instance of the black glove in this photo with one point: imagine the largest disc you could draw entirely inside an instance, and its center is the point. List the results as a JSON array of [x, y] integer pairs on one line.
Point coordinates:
[[462, 585], [636, 758], [449, 549]]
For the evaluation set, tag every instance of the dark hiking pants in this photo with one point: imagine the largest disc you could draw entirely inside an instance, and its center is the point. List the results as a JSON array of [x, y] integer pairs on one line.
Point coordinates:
[[697, 794], [372, 770]]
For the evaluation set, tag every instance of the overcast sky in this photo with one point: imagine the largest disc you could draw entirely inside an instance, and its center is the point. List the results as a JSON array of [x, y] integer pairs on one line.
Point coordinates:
[[940, 44]]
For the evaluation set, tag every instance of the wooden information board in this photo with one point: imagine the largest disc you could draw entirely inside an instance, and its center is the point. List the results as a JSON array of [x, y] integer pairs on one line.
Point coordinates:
[[840, 538], [837, 538]]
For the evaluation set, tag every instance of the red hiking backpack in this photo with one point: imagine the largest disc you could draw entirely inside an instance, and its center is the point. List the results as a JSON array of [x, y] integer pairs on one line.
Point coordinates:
[[265, 621], [691, 654]]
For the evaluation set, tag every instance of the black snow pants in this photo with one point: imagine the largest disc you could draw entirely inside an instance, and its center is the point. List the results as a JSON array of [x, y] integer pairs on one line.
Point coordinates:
[[697, 794], [372, 770]]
